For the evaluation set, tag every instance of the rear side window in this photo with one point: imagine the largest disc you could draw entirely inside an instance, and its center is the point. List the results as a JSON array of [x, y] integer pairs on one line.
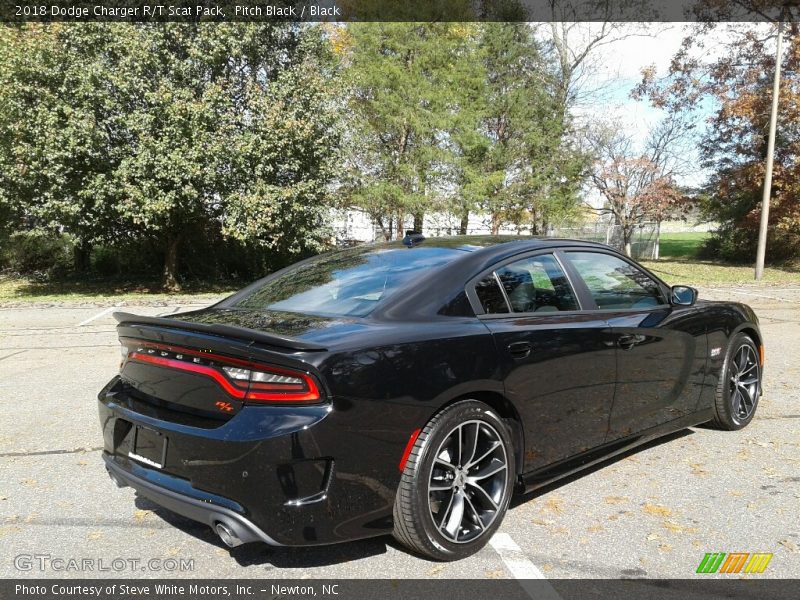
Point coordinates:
[[535, 284], [615, 283], [490, 296]]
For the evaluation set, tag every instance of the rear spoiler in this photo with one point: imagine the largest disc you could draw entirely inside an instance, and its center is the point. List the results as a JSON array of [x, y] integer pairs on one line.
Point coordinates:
[[229, 331]]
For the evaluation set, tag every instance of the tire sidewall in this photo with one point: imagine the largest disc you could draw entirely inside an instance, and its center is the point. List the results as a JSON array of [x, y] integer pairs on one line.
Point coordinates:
[[727, 414], [452, 416]]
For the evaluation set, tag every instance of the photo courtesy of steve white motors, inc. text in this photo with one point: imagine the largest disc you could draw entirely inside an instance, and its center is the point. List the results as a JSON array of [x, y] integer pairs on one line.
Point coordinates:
[[193, 590], [161, 11]]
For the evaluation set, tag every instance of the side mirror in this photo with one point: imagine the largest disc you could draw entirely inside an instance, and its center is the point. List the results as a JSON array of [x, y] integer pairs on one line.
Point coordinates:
[[683, 295]]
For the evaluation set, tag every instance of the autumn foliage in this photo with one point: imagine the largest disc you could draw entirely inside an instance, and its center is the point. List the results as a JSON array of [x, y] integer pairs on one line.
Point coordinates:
[[737, 85]]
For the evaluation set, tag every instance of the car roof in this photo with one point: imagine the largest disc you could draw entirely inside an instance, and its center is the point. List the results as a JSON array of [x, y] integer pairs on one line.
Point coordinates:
[[480, 253]]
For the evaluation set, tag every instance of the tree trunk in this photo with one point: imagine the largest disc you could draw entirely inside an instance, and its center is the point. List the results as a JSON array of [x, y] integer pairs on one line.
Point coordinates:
[[627, 234], [400, 233], [82, 255], [495, 223], [419, 219], [170, 276], [462, 228]]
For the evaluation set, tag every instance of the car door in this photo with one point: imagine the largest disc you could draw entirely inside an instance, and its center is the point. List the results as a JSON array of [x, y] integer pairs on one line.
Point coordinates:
[[660, 348], [557, 361]]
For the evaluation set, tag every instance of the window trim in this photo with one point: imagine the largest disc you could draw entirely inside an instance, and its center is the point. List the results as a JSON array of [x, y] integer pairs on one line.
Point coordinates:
[[585, 288], [475, 302]]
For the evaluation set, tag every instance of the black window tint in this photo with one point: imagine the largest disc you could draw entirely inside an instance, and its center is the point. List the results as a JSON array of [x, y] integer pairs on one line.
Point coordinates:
[[615, 283], [346, 283], [490, 296], [537, 284]]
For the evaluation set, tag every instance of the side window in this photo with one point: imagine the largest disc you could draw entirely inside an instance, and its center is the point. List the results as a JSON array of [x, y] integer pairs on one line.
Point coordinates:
[[490, 295], [615, 283], [537, 284]]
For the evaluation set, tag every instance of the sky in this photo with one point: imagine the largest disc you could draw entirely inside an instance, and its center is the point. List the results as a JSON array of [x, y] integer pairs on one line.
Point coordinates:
[[619, 71]]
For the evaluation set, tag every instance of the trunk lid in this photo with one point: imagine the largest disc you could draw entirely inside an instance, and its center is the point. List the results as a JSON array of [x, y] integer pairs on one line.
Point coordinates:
[[212, 367]]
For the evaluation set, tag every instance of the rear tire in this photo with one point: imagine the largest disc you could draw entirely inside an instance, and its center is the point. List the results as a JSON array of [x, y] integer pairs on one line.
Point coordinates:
[[739, 385], [456, 484]]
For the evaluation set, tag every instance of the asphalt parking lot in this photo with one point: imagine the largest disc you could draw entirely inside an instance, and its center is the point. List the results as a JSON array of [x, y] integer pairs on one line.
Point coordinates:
[[652, 513]]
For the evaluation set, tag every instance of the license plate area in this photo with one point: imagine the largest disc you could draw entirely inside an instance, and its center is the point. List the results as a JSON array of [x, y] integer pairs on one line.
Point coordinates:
[[148, 447]]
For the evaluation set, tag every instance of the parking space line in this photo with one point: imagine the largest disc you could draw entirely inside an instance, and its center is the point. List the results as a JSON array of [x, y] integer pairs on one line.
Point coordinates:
[[521, 567], [12, 354], [97, 316]]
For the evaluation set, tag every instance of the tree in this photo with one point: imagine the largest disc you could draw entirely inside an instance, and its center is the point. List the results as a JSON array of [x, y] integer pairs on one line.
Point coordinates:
[[636, 186], [170, 131], [507, 150], [402, 83], [731, 91]]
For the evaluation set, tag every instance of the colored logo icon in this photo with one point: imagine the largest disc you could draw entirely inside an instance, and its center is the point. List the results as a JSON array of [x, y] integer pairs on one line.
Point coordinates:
[[734, 562]]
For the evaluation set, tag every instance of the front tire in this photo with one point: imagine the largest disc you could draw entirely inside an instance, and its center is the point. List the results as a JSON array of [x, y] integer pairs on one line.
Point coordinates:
[[456, 484], [739, 386]]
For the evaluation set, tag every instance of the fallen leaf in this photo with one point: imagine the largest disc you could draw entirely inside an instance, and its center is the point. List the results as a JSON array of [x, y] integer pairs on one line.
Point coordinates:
[[435, 570], [697, 469], [615, 499], [655, 509], [554, 505], [653, 536], [141, 515], [595, 528], [790, 545], [95, 535], [496, 574], [665, 547], [676, 528]]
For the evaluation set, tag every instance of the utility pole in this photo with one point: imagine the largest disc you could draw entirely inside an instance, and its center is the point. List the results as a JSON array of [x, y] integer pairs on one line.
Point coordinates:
[[762, 231]]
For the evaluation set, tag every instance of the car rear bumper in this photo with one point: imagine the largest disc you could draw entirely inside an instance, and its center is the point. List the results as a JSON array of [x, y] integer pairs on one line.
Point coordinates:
[[284, 475], [204, 508]]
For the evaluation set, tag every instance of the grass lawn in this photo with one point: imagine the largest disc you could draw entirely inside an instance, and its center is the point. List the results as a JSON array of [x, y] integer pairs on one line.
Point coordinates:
[[694, 272], [14, 290], [681, 245], [679, 264]]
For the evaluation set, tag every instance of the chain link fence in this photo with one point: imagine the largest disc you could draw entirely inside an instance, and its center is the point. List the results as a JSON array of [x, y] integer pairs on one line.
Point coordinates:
[[644, 239]]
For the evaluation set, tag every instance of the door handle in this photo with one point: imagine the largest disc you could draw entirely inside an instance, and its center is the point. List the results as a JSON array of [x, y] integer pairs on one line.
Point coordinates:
[[626, 342], [520, 349]]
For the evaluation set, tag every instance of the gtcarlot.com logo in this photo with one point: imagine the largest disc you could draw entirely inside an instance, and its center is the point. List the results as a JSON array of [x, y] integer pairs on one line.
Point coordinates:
[[734, 562], [48, 562]]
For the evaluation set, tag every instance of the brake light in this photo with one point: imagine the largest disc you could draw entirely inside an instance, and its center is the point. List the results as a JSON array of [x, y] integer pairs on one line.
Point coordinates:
[[239, 378]]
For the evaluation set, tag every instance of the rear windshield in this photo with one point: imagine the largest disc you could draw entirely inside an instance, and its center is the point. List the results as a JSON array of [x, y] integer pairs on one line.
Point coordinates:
[[346, 283]]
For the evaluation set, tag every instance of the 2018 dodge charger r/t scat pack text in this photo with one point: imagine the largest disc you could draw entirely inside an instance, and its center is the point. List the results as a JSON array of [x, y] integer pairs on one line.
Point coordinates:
[[411, 387]]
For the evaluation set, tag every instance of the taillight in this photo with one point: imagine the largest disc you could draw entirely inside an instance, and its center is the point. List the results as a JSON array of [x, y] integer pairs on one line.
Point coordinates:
[[239, 378]]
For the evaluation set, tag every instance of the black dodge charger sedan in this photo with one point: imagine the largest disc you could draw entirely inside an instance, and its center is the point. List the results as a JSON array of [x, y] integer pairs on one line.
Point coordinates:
[[411, 387]]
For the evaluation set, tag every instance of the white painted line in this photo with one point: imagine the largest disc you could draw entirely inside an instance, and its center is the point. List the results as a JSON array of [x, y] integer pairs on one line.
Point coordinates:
[[97, 316], [757, 295], [522, 568]]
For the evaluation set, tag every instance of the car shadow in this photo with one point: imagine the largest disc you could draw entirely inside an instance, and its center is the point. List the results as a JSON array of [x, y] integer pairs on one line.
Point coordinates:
[[253, 555], [257, 554]]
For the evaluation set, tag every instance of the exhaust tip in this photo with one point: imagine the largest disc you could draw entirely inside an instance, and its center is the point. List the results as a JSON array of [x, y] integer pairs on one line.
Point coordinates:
[[226, 534]]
